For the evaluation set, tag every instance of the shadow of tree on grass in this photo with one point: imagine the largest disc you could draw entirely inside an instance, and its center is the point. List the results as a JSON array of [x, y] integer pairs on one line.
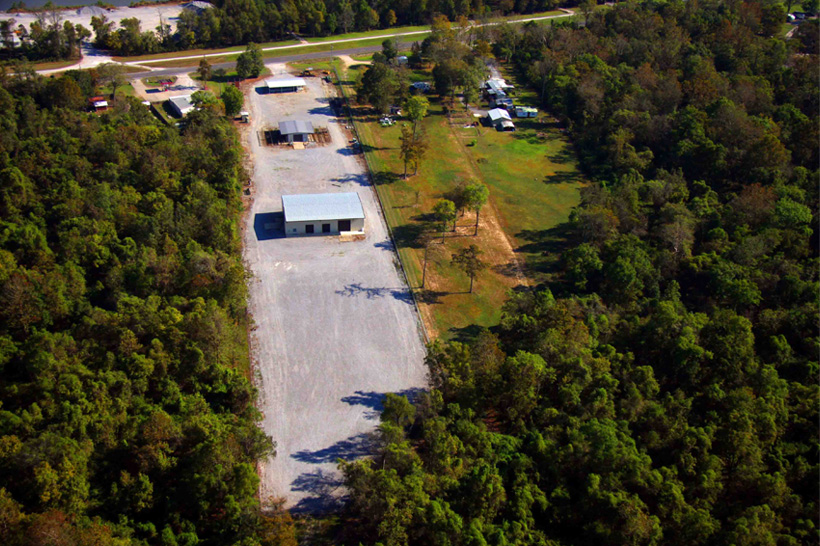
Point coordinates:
[[563, 177], [466, 334], [545, 248]]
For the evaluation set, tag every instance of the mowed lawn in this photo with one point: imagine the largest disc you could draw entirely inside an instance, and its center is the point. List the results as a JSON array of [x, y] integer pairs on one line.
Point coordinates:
[[513, 165], [534, 182]]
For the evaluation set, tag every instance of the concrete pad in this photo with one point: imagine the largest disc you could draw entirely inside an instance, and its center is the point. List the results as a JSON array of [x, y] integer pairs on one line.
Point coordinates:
[[336, 327]]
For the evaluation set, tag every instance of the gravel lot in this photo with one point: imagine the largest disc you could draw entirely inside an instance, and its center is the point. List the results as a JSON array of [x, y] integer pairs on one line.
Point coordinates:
[[149, 16], [336, 325]]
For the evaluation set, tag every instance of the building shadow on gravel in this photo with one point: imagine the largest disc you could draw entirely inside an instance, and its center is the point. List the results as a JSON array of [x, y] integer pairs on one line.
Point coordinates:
[[322, 487], [269, 225]]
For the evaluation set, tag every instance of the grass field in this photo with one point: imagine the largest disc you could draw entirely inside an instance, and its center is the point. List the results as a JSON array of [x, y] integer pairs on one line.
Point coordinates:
[[515, 18], [217, 83], [539, 159], [198, 52], [228, 57], [54, 64], [188, 62], [316, 64], [533, 182], [125, 90], [154, 81], [370, 34]]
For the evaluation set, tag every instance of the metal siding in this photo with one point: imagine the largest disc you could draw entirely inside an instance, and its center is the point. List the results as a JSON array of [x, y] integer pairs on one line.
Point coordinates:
[[285, 83], [356, 224], [291, 127]]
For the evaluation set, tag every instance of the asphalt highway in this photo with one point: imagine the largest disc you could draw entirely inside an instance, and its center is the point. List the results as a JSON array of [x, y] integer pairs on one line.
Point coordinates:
[[176, 71]]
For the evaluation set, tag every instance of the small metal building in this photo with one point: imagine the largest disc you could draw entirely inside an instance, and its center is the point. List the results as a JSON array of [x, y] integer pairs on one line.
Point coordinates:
[[98, 103], [296, 131], [525, 112], [197, 6], [500, 119], [285, 85], [322, 214], [181, 105], [501, 102]]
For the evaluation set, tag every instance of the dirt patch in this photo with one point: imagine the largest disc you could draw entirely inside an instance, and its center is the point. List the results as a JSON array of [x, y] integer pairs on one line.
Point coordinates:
[[349, 61], [183, 85]]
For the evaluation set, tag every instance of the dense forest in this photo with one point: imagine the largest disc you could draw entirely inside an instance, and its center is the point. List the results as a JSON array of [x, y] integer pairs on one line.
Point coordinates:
[[662, 388], [240, 21], [126, 413]]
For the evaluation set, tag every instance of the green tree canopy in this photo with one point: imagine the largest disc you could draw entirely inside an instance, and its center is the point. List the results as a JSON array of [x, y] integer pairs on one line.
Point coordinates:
[[250, 64]]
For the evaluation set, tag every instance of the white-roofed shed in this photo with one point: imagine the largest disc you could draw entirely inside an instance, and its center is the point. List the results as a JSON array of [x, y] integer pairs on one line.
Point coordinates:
[[497, 115], [500, 119], [285, 85], [181, 105], [197, 6]]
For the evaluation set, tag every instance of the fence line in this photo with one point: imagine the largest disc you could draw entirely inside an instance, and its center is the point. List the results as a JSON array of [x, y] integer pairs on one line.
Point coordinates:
[[381, 205]]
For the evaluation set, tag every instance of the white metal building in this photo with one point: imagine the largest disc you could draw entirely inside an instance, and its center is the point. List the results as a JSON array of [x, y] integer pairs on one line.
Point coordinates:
[[285, 85], [297, 131], [197, 6], [500, 119], [181, 105], [323, 214], [525, 112]]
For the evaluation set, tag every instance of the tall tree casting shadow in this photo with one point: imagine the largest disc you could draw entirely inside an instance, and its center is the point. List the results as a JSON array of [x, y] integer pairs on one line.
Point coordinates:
[[545, 248]]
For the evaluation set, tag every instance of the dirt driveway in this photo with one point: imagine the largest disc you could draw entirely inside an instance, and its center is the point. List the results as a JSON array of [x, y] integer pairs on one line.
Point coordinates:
[[336, 325], [184, 85]]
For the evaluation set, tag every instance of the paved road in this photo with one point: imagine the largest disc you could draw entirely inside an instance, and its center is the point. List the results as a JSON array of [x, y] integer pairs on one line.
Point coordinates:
[[336, 327], [343, 40], [286, 58]]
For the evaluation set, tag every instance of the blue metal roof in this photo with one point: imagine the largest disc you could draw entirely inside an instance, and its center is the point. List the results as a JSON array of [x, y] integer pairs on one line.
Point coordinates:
[[308, 207]]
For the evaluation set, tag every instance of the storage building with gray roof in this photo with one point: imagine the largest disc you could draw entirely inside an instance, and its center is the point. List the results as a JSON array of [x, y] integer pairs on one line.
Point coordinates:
[[322, 213]]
